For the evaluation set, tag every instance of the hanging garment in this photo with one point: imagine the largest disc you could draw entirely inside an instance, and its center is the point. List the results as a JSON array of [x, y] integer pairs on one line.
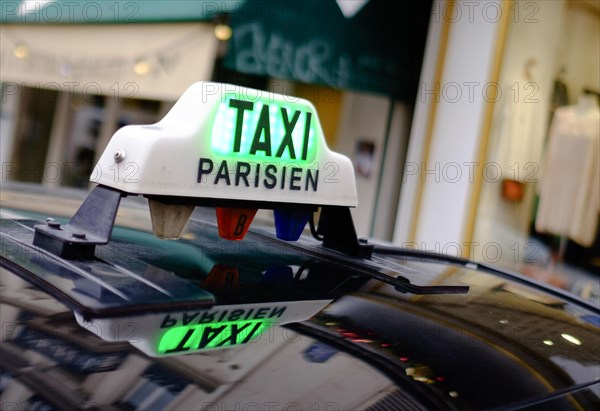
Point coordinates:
[[560, 98], [569, 187], [519, 138]]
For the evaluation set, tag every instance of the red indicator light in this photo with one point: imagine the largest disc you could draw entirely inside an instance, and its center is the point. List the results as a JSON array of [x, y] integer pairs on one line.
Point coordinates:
[[290, 224], [234, 222], [362, 340], [403, 359], [221, 277]]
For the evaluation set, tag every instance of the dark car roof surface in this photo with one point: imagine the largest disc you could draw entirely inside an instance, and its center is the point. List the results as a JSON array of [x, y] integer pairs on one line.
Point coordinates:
[[503, 344]]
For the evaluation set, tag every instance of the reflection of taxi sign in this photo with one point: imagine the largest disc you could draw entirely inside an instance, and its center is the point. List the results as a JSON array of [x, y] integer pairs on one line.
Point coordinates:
[[207, 336], [185, 332], [229, 147]]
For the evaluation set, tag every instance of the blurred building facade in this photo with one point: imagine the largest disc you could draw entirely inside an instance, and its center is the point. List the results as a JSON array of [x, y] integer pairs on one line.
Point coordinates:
[[493, 75], [73, 75]]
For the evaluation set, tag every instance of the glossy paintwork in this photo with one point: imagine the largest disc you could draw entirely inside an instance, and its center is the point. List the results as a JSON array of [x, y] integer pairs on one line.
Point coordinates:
[[504, 343]]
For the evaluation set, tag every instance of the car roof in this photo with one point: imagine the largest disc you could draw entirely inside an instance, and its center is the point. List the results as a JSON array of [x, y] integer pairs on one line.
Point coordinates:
[[364, 342]]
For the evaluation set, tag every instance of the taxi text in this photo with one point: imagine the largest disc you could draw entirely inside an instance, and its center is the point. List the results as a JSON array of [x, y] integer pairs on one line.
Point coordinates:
[[241, 173], [205, 317]]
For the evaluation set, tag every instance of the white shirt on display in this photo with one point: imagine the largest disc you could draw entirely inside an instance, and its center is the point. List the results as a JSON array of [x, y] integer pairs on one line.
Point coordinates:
[[520, 131], [569, 187]]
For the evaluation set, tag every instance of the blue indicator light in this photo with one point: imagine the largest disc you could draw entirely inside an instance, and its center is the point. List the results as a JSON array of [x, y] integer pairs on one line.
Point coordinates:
[[289, 224]]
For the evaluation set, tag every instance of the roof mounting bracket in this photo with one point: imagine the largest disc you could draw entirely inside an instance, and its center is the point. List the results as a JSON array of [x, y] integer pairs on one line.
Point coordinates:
[[337, 228], [91, 225]]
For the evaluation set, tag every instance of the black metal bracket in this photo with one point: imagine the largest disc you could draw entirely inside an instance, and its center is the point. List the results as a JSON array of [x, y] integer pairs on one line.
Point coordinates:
[[91, 225], [337, 228], [93, 222]]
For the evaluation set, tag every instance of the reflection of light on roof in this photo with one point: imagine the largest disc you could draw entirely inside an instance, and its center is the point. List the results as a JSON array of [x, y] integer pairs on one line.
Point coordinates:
[[571, 339], [548, 342], [362, 340]]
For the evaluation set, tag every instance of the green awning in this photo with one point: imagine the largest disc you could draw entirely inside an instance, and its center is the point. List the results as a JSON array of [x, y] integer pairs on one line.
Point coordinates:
[[318, 42], [113, 12], [345, 44]]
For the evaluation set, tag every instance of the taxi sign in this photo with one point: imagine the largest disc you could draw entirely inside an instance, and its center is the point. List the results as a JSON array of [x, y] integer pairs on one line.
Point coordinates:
[[222, 141], [225, 146]]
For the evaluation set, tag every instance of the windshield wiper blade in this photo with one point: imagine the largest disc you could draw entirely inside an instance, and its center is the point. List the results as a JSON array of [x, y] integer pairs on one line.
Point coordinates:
[[403, 284], [427, 256], [363, 267], [424, 255]]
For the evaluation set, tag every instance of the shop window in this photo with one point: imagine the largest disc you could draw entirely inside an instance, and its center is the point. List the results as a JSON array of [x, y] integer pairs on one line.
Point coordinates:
[[32, 134]]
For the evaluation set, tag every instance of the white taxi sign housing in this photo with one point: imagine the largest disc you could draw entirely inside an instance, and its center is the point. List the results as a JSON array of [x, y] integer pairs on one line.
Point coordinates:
[[222, 141]]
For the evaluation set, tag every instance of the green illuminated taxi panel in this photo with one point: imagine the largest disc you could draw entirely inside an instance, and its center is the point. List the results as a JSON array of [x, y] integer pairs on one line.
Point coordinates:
[[229, 142], [209, 336], [185, 332], [265, 130]]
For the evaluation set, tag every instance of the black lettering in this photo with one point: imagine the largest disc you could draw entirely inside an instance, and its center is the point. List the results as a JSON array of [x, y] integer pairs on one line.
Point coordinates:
[[261, 313], [252, 332], [287, 137], [241, 106], [256, 175], [223, 173], [235, 315], [207, 317], [312, 180], [204, 170], [209, 335], [168, 322], [283, 178], [269, 174], [180, 346], [232, 339], [188, 318], [239, 228], [250, 311], [239, 174], [306, 135], [263, 127], [296, 176], [277, 312], [222, 316]]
